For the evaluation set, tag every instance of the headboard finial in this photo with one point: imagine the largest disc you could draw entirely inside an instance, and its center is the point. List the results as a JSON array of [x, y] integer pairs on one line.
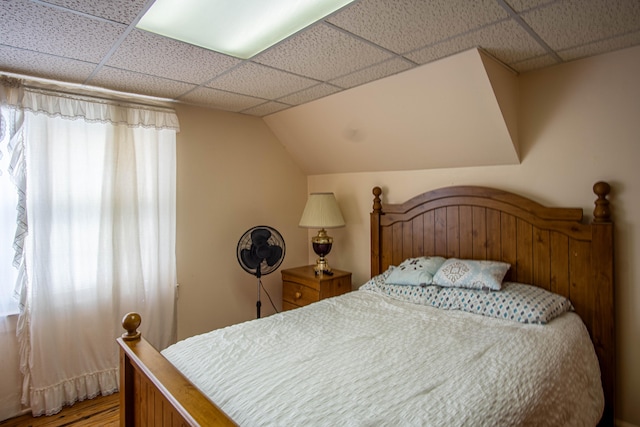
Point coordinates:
[[377, 203], [602, 211]]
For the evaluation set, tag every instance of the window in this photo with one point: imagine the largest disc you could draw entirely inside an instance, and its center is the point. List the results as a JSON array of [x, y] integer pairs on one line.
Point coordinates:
[[94, 221]]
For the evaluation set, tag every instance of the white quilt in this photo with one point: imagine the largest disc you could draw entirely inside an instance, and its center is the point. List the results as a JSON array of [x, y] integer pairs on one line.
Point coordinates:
[[364, 359]]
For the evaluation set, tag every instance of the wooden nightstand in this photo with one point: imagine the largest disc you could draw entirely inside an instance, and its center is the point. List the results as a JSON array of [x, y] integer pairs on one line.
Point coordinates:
[[301, 286]]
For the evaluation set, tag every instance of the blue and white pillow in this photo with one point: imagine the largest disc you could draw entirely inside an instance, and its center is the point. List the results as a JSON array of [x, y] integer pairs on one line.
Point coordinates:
[[471, 274], [415, 271], [516, 301], [376, 281], [422, 294]]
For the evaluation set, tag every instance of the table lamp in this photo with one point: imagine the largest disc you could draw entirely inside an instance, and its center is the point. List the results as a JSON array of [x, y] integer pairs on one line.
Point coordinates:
[[322, 211]]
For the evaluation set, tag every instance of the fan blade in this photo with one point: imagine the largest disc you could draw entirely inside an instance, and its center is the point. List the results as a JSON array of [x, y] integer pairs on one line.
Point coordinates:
[[250, 259], [260, 236], [274, 255]]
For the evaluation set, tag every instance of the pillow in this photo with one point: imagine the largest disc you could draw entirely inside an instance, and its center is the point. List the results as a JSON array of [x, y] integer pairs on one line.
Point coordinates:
[[375, 282], [422, 295], [461, 273], [516, 301], [415, 271]]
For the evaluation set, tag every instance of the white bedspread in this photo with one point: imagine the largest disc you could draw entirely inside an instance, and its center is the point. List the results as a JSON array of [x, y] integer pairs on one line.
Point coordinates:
[[364, 359]]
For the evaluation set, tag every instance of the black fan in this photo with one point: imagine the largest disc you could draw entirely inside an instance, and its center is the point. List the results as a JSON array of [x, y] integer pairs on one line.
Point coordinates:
[[260, 251]]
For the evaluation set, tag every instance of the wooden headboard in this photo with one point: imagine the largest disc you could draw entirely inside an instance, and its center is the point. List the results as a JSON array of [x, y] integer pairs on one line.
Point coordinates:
[[548, 247]]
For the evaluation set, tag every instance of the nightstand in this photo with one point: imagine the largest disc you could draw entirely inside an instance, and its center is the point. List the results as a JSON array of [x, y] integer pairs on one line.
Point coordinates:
[[301, 286]]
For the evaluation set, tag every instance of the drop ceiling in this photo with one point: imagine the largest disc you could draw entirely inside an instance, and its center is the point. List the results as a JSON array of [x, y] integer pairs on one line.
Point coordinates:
[[95, 43]]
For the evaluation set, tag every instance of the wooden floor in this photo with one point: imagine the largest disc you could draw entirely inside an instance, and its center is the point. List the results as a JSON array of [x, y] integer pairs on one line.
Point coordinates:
[[102, 411]]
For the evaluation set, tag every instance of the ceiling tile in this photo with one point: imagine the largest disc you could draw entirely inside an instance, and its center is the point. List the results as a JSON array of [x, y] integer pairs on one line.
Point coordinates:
[[322, 53], [599, 47], [214, 98], [306, 95], [568, 24], [58, 33], [127, 81], [265, 109], [374, 72], [258, 80], [31, 63], [150, 53], [522, 5], [123, 11], [506, 41], [534, 63], [406, 25]]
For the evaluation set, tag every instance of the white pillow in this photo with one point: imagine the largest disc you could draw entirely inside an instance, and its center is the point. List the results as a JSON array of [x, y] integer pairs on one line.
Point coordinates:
[[471, 274]]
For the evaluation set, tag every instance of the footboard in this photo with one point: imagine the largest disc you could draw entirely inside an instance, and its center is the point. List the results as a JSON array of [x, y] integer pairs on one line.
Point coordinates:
[[153, 392]]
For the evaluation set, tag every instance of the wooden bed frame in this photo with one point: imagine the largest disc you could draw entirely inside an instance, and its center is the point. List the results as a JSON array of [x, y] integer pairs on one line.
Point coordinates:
[[548, 247]]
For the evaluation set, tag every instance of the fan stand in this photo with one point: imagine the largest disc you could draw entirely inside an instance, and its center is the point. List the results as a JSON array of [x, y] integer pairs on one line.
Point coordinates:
[[258, 302]]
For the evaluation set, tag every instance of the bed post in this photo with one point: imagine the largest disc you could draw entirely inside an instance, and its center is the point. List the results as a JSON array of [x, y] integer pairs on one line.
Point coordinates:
[[154, 392], [375, 232], [603, 279], [130, 323]]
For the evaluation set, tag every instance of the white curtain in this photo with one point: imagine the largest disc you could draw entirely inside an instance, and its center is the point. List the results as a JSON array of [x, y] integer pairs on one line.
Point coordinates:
[[12, 196], [11, 142], [100, 209]]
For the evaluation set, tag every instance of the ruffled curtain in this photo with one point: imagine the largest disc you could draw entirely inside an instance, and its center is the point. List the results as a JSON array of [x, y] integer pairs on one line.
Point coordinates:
[[12, 235], [100, 240], [11, 96], [91, 109]]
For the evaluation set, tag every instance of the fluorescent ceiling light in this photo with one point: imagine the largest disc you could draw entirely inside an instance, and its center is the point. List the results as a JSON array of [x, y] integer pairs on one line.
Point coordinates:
[[240, 28]]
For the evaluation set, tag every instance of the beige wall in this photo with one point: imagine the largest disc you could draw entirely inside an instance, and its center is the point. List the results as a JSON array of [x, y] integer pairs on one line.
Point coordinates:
[[232, 174], [579, 123]]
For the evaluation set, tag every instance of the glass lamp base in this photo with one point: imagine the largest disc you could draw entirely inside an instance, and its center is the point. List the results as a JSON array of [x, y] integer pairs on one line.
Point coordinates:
[[322, 246]]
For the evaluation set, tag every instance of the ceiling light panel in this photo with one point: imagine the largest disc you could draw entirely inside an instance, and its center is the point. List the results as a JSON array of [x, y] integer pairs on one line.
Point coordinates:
[[238, 28]]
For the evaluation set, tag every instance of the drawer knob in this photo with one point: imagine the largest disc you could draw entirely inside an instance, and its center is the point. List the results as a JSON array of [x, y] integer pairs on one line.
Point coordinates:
[[298, 295]]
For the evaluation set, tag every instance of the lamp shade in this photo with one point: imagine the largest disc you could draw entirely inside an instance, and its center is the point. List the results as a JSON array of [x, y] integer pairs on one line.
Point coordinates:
[[322, 211]]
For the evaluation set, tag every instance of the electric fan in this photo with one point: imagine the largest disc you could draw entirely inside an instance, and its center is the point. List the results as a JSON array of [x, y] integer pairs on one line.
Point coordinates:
[[260, 251]]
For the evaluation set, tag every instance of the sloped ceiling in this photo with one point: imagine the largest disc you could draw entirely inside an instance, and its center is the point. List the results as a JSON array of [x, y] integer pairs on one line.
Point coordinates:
[[459, 111]]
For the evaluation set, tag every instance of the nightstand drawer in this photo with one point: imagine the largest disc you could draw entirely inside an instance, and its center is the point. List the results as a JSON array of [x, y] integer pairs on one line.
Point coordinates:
[[297, 294], [301, 286], [340, 286]]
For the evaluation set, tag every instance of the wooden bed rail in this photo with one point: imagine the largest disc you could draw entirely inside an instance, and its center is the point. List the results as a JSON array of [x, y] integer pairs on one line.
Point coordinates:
[[153, 392]]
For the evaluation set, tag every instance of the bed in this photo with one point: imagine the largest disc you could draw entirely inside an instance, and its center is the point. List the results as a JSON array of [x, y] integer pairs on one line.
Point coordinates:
[[552, 249]]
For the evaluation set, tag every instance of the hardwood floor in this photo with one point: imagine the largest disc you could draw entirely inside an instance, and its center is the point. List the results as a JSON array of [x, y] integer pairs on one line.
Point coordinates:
[[102, 411]]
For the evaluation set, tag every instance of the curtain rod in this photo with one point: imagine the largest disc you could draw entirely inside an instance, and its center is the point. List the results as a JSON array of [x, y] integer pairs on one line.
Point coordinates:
[[77, 89]]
